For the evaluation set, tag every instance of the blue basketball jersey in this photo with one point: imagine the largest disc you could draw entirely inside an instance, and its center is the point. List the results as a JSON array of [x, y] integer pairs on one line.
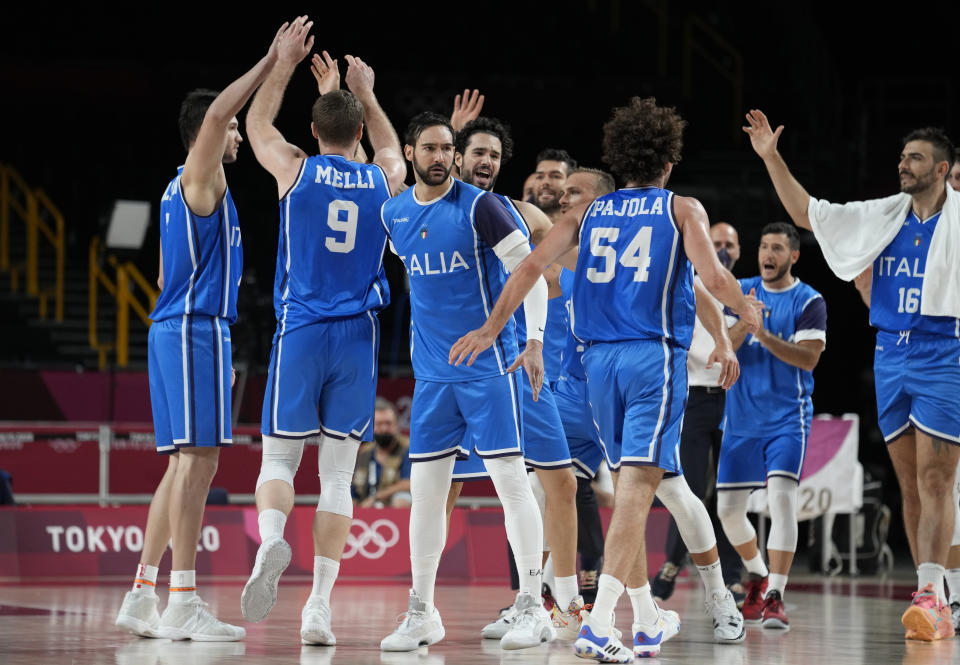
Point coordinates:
[[447, 246], [897, 281], [772, 397], [633, 278], [202, 258], [572, 356], [330, 254], [554, 333]]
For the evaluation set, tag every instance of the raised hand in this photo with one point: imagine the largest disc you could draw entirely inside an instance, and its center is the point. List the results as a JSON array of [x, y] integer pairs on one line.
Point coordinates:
[[296, 41], [466, 108], [326, 71], [359, 76], [762, 137], [274, 45]]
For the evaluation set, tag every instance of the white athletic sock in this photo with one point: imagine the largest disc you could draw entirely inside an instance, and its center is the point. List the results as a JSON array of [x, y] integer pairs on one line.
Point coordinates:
[[776, 582], [644, 609], [429, 486], [609, 590], [146, 579], [271, 522], [325, 573], [931, 573], [521, 519], [756, 565], [712, 577], [183, 585], [565, 590], [953, 581]]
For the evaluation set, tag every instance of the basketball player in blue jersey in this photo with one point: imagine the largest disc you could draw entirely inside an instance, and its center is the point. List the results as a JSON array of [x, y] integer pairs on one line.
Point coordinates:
[[482, 146], [693, 520], [329, 286], [767, 419], [189, 356], [916, 371], [456, 242], [633, 307]]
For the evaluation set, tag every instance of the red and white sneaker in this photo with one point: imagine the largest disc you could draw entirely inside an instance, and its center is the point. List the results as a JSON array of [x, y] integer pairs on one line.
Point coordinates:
[[774, 615], [927, 619], [756, 588]]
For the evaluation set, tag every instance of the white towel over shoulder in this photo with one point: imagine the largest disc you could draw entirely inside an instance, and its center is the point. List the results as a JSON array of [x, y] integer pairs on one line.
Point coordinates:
[[853, 234]]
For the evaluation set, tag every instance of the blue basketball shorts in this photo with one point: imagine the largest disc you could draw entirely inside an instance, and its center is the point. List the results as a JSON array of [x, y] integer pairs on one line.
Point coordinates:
[[544, 446], [747, 461], [638, 390], [471, 468], [583, 440], [189, 362], [323, 378], [451, 418], [917, 378]]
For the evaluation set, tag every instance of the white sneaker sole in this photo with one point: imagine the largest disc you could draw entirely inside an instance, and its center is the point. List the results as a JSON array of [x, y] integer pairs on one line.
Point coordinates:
[[546, 634], [260, 594], [317, 637], [136, 626], [431, 638], [177, 634], [720, 639]]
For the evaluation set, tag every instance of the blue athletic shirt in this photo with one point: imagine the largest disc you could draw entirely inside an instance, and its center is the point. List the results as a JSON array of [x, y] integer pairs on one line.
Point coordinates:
[[772, 397], [898, 278], [330, 254], [555, 330], [202, 258], [572, 359], [633, 278], [447, 246]]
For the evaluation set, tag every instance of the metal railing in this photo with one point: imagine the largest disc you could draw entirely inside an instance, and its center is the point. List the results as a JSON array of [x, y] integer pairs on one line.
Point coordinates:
[[40, 218], [123, 288]]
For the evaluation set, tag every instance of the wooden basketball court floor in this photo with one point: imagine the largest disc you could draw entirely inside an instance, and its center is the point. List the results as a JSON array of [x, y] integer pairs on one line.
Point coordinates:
[[832, 621]]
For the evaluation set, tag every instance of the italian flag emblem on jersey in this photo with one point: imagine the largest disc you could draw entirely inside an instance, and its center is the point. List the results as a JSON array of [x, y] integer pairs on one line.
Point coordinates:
[[423, 232], [917, 240]]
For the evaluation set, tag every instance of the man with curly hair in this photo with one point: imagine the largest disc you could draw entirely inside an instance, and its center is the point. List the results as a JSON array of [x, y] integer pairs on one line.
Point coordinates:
[[633, 306]]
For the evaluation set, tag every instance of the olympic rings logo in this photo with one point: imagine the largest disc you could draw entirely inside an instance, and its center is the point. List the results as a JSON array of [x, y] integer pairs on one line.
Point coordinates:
[[373, 540]]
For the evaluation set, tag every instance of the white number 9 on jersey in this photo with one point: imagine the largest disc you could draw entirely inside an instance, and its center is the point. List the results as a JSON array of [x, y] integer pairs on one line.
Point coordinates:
[[636, 255], [347, 226]]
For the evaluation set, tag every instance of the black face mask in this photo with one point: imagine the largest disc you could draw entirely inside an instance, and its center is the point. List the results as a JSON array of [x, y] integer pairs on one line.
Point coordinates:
[[725, 259], [384, 440]]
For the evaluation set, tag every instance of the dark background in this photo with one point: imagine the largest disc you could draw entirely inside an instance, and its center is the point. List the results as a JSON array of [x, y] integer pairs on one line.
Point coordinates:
[[90, 99]]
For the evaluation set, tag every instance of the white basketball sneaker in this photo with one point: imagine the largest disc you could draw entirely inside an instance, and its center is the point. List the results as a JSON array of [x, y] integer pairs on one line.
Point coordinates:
[[603, 649], [727, 620], [420, 627], [315, 623], [140, 614], [648, 638], [260, 594], [495, 630], [532, 625], [192, 621]]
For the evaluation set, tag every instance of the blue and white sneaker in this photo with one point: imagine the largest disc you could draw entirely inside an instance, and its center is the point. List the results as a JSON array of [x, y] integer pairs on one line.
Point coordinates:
[[647, 638], [601, 649]]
